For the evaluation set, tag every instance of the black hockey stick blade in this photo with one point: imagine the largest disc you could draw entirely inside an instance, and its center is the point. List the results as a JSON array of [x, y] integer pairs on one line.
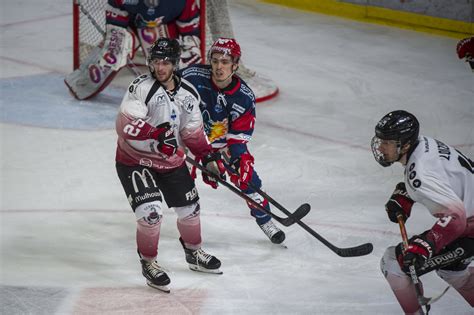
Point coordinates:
[[297, 215], [303, 210], [356, 251]]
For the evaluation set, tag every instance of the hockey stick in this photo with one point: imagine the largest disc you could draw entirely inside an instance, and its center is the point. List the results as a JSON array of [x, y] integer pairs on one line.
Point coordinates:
[[424, 301], [130, 65], [264, 194], [356, 251], [292, 217]]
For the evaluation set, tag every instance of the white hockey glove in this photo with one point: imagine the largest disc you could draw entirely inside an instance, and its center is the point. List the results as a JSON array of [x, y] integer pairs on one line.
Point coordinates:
[[191, 50]]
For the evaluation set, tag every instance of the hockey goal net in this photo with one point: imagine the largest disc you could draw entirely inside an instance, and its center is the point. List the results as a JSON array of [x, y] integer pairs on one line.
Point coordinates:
[[89, 30]]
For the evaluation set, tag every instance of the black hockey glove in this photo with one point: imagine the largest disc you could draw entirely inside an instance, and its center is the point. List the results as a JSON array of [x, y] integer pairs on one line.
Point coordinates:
[[167, 143], [399, 202], [213, 162], [418, 252]]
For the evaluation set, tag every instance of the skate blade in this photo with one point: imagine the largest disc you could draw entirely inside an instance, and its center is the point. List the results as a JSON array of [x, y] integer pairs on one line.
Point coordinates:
[[204, 270], [163, 288]]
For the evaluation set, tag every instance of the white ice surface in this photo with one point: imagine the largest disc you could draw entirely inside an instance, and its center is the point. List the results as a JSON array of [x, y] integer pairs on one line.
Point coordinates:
[[68, 234]]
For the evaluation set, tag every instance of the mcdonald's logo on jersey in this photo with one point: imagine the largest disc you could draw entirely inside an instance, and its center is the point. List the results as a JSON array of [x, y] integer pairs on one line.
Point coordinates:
[[143, 178]]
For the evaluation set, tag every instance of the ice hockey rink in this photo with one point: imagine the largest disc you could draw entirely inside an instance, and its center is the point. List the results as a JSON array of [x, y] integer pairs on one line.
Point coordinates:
[[68, 234]]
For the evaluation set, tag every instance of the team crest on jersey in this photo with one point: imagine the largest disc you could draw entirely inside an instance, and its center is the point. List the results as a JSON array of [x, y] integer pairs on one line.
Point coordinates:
[[160, 99], [215, 130], [188, 104]]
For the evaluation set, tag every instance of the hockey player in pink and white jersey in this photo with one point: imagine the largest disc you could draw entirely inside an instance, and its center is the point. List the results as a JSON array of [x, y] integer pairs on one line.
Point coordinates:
[[159, 114], [128, 22], [440, 178]]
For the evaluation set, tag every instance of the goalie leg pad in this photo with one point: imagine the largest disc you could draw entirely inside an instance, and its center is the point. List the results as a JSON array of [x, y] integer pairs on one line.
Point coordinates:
[[102, 64]]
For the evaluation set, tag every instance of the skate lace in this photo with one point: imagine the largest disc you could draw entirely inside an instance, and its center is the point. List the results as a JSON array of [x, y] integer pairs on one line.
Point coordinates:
[[154, 269], [269, 228], [202, 256]]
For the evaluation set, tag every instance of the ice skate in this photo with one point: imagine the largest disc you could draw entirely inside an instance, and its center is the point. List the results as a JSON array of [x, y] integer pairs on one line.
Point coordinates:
[[155, 276], [275, 235], [201, 261]]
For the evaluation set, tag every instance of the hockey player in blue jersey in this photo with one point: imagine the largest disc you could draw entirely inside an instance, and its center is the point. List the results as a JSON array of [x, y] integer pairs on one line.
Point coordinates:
[[228, 110]]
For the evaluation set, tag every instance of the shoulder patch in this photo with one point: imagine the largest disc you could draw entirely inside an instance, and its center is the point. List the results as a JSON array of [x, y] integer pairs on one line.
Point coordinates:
[[135, 83], [188, 87]]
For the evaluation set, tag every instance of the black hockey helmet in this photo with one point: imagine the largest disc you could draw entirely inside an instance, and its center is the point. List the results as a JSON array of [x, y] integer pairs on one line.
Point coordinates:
[[166, 49], [400, 126]]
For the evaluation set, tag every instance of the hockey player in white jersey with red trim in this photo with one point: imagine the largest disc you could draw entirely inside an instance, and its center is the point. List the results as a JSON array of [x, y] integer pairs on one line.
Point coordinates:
[[159, 114], [440, 178]]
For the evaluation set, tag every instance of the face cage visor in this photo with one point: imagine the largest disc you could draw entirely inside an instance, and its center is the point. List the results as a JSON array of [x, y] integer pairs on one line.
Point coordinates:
[[150, 60], [378, 155]]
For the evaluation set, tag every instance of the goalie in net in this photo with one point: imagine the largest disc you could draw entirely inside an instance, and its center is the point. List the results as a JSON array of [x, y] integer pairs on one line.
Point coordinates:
[[128, 22], [133, 25]]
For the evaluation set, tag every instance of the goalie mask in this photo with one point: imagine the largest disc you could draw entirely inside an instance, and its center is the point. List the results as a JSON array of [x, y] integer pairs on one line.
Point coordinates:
[[226, 46], [164, 49], [392, 133]]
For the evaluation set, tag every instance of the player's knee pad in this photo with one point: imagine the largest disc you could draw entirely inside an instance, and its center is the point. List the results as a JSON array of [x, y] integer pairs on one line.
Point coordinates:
[[150, 212], [389, 264], [188, 213]]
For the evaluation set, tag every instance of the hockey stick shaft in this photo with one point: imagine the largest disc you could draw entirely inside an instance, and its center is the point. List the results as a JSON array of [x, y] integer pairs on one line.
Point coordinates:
[[355, 251], [421, 299], [259, 191], [414, 277], [292, 217]]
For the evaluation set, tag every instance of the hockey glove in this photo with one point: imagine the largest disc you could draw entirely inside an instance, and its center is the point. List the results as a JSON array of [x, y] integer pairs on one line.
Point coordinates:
[[167, 143], [213, 163], [244, 165], [399, 202], [465, 48], [418, 252]]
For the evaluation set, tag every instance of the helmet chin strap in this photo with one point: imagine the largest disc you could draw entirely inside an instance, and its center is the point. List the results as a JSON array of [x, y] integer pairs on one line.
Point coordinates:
[[400, 154], [229, 76]]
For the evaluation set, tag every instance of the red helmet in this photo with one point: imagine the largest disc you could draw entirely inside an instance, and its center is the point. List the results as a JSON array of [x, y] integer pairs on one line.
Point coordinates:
[[226, 46]]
